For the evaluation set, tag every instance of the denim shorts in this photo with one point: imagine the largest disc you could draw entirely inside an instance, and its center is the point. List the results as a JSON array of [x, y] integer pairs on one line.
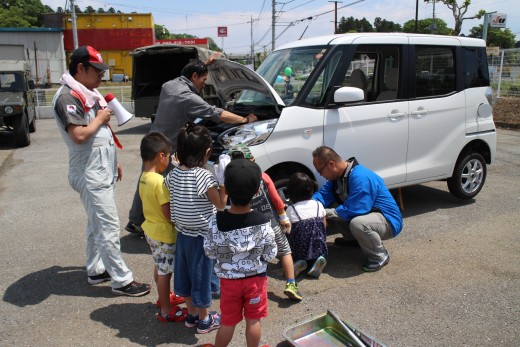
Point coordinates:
[[192, 272]]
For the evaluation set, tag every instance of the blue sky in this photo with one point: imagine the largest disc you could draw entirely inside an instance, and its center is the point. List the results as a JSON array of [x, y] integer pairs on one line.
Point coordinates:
[[202, 17]]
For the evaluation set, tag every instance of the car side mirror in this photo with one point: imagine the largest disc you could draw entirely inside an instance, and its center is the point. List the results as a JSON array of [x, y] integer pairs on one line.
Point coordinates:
[[345, 95], [31, 84]]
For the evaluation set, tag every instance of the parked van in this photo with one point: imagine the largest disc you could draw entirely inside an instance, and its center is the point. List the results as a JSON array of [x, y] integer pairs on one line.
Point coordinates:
[[413, 108], [155, 65]]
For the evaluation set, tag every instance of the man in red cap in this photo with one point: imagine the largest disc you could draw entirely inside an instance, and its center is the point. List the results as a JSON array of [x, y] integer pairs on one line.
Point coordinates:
[[80, 112]]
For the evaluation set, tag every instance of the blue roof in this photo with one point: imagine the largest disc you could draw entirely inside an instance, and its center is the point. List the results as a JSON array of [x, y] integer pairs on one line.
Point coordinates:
[[43, 30]]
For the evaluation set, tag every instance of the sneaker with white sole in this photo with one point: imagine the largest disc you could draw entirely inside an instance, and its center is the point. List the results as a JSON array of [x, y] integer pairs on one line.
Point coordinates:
[[210, 324], [103, 277], [299, 267], [191, 321], [317, 267], [373, 266], [291, 290], [133, 289]]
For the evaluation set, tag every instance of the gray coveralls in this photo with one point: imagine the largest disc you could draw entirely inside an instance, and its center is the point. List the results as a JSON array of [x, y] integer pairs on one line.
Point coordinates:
[[92, 173]]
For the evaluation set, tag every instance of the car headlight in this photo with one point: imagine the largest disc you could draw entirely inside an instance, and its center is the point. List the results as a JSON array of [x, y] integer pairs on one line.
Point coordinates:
[[8, 109], [249, 134]]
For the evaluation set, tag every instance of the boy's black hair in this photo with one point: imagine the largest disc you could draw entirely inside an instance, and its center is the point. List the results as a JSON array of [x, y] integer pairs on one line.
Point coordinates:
[[243, 179], [196, 66], [192, 143], [301, 187], [154, 143]]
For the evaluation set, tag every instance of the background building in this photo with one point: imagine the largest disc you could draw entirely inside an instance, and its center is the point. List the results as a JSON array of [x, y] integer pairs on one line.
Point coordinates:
[[41, 47]]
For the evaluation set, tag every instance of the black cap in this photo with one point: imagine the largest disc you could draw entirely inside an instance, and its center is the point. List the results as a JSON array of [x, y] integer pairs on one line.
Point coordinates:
[[87, 54], [242, 178]]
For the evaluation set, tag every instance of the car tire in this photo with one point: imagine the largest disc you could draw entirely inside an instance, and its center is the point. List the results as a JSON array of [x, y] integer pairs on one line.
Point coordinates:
[[280, 184], [21, 130], [468, 177], [32, 126]]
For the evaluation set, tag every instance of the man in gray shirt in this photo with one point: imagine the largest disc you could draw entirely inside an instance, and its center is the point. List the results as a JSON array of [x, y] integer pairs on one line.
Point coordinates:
[[181, 102]]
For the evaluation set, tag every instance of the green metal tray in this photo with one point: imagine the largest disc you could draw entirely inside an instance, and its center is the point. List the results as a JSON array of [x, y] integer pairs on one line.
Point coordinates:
[[324, 331]]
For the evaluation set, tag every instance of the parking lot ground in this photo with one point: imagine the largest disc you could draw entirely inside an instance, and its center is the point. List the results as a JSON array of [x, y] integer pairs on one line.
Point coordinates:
[[453, 278]]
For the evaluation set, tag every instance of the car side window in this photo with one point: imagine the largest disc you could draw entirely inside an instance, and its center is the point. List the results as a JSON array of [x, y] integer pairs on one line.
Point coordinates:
[[476, 73], [434, 71], [375, 70], [316, 96]]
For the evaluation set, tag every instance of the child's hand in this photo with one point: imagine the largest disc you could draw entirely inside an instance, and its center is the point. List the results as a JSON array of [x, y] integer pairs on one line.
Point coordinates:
[[223, 160], [175, 160], [285, 224]]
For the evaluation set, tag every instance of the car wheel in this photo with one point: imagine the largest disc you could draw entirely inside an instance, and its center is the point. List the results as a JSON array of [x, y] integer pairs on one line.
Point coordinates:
[[32, 126], [21, 131], [468, 177], [280, 184]]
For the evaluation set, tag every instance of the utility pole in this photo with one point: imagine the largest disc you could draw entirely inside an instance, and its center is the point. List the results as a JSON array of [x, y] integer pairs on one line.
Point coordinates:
[[252, 46], [416, 14], [273, 24], [434, 26], [336, 15], [74, 29]]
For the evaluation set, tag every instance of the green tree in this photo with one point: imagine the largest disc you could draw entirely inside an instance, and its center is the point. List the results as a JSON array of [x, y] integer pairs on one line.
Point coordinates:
[[424, 26], [111, 10], [161, 33], [213, 45], [351, 24], [101, 10], [22, 13], [496, 37], [384, 26], [458, 12], [89, 9]]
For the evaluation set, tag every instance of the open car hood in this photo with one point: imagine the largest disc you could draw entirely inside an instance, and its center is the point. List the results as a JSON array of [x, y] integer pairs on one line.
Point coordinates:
[[229, 77]]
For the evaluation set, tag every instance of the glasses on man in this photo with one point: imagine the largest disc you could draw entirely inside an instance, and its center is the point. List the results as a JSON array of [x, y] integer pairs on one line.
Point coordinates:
[[323, 167]]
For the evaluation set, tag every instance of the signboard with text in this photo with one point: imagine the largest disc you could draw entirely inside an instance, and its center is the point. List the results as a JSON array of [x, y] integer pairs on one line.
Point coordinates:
[[222, 31], [498, 20], [189, 42]]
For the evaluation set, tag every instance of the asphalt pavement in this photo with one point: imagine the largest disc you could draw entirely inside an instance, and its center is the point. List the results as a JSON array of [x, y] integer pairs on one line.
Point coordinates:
[[453, 277]]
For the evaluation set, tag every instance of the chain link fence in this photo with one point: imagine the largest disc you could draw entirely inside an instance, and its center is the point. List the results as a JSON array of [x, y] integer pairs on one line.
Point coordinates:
[[504, 71]]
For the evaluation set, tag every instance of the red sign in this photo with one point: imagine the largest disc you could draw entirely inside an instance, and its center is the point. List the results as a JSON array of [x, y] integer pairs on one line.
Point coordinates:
[[190, 42], [222, 31]]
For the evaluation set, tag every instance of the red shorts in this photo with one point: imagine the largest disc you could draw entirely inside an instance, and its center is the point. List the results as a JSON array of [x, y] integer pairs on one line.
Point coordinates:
[[248, 295]]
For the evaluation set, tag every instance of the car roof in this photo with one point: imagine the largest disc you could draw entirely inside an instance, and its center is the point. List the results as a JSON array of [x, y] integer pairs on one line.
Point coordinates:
[[385, 38]]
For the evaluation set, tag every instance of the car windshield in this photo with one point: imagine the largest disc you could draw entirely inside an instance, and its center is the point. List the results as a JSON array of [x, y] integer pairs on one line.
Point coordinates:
[[286, 71], [11, 82]]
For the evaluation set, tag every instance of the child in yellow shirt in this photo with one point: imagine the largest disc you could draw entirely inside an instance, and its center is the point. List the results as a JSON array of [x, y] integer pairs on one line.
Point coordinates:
[[158, 229]]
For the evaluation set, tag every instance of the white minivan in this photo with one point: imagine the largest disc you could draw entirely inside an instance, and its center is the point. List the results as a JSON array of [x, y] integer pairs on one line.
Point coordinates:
[[413, 108]]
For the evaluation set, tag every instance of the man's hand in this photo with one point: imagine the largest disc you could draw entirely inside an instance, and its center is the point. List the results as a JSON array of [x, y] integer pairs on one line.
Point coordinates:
[[212, 59], [251, 118], [119, 172], [103, 115]]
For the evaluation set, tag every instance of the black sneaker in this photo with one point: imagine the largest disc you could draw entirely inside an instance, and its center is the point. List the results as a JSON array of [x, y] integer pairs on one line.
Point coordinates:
[[104, 277], [133, 228], [376, 266], [133, 289]]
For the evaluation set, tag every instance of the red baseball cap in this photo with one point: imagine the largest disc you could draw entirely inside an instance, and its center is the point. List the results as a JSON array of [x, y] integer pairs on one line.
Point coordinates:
[[87, 54]]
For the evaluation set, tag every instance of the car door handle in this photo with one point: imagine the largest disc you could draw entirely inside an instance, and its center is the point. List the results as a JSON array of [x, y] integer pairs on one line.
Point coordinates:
[[307, 132], [395, 115], [420, 112]]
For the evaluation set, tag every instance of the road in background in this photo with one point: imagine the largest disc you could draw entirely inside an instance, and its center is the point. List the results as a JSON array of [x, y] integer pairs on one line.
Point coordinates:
[[453, 276]]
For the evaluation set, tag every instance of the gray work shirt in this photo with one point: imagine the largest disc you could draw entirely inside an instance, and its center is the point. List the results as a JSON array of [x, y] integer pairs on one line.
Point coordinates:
[[179, 103]]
